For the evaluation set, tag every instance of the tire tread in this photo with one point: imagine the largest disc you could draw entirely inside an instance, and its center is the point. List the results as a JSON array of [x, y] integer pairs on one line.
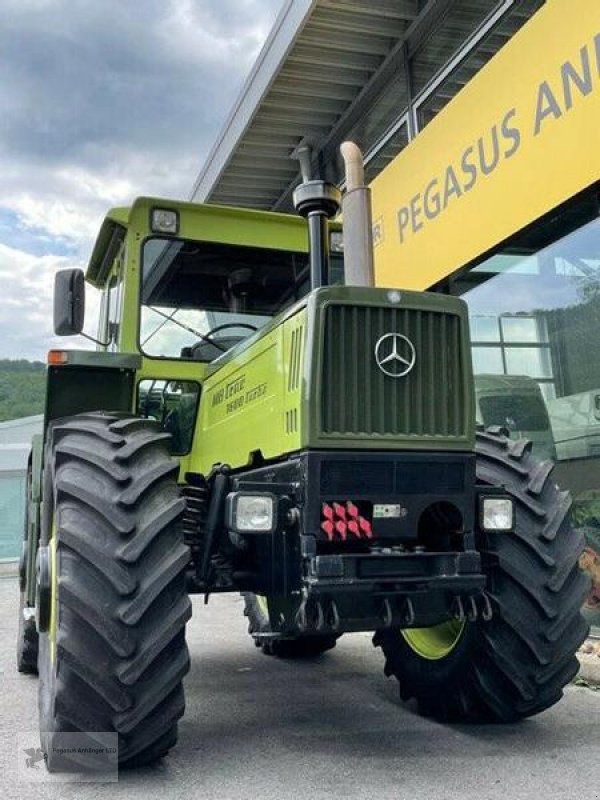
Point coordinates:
[[517, 664], [122, 601]]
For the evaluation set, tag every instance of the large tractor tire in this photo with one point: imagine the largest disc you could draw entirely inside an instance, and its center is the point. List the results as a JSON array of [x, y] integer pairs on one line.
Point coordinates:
[[111, 565], [27, 635], [256, 608], [516, 664]]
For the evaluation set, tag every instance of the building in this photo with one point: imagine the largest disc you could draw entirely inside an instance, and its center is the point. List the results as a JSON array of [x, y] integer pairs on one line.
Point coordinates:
[[479, 124], [375, 72], [15, 444]]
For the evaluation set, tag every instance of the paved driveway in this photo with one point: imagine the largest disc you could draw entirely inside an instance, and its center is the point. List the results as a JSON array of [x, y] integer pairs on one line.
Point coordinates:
[[331, 728]]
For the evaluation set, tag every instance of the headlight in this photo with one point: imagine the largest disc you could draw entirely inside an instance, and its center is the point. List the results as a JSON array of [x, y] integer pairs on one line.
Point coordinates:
[[251, 513], [164, 220], [496, 514]]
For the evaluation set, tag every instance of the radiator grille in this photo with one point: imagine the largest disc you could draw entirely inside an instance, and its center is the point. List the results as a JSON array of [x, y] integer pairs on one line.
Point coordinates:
[[358, 398]]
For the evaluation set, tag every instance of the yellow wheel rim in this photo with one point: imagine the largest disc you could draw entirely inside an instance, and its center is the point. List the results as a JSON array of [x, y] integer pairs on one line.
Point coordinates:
[[263, 603], [435, 642]]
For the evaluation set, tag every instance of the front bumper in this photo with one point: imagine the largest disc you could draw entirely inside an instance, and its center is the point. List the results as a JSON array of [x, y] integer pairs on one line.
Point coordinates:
[[354, 592], [400, 575]]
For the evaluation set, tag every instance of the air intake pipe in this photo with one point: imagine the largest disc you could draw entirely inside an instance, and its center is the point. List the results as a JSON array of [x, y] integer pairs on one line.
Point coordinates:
[[318, 202], [356, 212]]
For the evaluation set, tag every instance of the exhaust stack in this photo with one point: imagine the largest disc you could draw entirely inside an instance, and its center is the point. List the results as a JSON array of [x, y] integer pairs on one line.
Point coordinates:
[[356, 212], [318, 202]]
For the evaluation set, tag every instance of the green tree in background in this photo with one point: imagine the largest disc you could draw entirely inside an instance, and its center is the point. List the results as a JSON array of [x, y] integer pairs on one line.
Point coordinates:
[[22, 388]]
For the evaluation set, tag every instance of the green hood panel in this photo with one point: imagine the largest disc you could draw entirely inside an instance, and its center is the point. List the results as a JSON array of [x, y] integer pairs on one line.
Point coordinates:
[[311, 380]]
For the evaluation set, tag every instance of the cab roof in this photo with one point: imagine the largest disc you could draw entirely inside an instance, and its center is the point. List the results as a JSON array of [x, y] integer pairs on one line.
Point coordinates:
[[110, 237], [225, 223]]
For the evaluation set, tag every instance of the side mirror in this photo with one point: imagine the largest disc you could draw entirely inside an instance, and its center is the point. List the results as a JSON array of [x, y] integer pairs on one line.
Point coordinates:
[[69, 302]]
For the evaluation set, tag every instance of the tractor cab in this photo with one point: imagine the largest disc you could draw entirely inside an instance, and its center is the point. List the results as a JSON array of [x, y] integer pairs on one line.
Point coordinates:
[[186, 282], [181, 285], [200, 298]]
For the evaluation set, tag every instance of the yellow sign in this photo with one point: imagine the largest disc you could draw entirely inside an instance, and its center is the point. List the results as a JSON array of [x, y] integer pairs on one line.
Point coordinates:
[[519, 139]]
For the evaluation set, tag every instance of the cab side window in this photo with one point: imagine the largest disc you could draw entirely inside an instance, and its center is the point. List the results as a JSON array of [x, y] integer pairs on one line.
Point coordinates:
[[173, 404], [113, 311]]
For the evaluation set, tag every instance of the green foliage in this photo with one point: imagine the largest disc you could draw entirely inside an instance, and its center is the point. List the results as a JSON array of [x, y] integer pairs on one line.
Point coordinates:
[[22, 388], [586, 509]]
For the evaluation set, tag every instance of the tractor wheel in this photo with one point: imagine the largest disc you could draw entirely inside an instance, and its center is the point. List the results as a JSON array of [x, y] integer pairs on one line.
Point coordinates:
[[27, 639], [517, 664], [111, 563], [27, 635], [257, 610]]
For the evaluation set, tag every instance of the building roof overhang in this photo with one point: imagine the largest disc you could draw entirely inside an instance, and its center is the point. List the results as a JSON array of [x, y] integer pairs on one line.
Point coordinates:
[[324, 66]]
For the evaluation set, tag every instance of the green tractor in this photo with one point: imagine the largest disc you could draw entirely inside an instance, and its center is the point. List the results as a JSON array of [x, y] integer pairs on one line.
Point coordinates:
[[252, 422]]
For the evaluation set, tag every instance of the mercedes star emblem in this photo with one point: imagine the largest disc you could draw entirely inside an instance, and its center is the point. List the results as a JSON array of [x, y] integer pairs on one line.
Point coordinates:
[[395, 355]]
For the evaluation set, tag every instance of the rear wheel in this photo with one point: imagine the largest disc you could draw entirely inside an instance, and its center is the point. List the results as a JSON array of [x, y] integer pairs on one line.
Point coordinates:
[[27, 635], [259, 627], [27, 639], [517, 664], [113, 651]]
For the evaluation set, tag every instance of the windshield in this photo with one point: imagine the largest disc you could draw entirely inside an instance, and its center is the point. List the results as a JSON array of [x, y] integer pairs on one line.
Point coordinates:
[[201, 298]]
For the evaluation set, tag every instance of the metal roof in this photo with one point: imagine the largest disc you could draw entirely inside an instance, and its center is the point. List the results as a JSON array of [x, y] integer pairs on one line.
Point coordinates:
[[336, 69]]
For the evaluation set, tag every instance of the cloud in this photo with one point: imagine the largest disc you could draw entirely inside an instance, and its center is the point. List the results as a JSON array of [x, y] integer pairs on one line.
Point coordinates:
[[26, 326], [81, 75], [103, 102]]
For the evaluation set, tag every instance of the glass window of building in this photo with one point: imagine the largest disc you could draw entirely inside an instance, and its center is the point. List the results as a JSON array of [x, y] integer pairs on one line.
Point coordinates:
[[534, 312], [385, 154], [448, 37], [446, 43], [390, 104]]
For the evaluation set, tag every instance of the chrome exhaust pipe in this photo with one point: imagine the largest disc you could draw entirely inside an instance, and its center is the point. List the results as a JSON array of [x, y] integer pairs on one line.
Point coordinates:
[[357, 220]]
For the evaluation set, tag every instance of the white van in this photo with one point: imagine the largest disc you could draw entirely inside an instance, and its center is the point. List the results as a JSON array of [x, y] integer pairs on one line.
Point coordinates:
[[575, 423]]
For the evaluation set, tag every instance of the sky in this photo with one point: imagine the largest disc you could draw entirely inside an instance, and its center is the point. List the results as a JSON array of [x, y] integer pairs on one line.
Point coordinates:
[[101, 102]]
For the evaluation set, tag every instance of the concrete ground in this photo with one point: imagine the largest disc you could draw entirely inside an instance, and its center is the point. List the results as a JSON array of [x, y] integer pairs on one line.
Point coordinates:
[[257, 727]]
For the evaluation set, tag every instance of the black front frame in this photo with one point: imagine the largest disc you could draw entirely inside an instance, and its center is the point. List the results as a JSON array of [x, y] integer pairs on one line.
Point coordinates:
[[316, 584]]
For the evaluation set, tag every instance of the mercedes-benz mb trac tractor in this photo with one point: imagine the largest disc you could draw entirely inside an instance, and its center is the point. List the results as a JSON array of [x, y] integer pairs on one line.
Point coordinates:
[[253, 422]]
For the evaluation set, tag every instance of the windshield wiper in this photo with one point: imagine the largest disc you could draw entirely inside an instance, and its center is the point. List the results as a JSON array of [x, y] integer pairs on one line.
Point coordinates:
[[160, 327], [188, 328]]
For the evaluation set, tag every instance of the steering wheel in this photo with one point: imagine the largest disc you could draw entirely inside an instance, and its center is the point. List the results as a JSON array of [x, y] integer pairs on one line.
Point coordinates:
[[207, 337], [225, 325]]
